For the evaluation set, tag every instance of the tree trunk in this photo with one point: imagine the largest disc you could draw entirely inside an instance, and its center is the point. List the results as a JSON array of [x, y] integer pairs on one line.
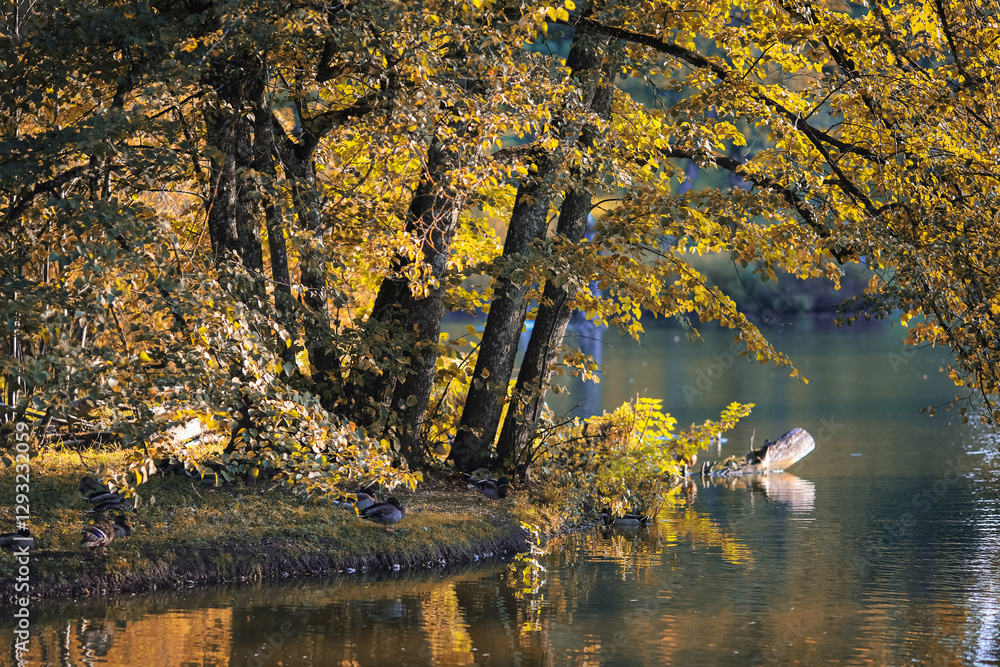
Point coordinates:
[[264, 153], [413, 394], [553, 312], [232, 223], [222, 198], [232, 210], [323, 360], [547, 335], [263, 162], [297, 158], [247, 224], [495, 363], [409, 323]]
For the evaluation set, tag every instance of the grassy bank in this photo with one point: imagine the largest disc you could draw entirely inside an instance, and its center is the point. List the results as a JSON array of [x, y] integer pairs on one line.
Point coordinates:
[[185, 533]]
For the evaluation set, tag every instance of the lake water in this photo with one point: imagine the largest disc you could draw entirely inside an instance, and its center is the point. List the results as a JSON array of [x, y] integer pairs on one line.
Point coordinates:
[[880, 547]]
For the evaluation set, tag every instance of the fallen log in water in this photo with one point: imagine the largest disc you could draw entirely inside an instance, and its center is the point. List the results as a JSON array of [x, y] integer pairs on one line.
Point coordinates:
[[772, 457]]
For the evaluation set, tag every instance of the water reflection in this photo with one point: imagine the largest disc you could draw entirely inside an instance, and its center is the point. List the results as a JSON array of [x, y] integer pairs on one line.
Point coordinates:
[[783, 489], [430, 619], [610, 600], [129, 632], [723, 576]]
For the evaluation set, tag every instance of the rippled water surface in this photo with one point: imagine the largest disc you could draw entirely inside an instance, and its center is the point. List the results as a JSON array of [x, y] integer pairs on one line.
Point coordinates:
[[881, 547]]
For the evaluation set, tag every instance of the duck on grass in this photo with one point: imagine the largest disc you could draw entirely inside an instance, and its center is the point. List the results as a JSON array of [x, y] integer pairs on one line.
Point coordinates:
[[388, 513], [493, 488]]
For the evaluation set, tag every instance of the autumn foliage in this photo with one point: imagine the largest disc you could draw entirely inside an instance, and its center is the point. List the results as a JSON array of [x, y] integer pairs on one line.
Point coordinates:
[[259, 212]]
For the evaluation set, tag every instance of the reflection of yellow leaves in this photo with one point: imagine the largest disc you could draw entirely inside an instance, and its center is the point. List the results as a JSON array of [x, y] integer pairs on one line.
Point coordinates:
[[679, 522], [444, 625]]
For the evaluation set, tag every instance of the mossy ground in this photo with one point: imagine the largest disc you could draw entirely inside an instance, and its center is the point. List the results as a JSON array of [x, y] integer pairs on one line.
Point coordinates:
[[186, 533]]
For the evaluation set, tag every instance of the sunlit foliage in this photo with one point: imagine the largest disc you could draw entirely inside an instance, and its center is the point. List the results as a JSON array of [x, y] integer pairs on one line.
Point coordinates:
[[258, 212], [626, 460]]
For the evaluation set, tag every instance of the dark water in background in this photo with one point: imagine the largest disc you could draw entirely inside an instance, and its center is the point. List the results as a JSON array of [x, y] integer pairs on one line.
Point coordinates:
[[879, 548]]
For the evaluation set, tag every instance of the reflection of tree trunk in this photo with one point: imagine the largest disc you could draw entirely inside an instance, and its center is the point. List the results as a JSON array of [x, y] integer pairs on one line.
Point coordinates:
[[407, 322], [528, 221], [553, 312]]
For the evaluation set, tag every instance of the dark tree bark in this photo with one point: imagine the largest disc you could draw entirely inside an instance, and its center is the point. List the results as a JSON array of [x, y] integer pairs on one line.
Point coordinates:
[[247, 223], [297, 160], [553, 312], [407, 322], [232, 223], [495, 364], [264, 154], [423, 316], [300, 167], [222, 198]]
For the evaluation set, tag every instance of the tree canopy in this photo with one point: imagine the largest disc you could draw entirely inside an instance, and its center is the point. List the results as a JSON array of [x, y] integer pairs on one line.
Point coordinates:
[[260, 211]]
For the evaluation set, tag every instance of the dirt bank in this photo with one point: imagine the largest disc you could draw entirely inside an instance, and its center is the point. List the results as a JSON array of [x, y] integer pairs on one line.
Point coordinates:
[[185, 534]]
